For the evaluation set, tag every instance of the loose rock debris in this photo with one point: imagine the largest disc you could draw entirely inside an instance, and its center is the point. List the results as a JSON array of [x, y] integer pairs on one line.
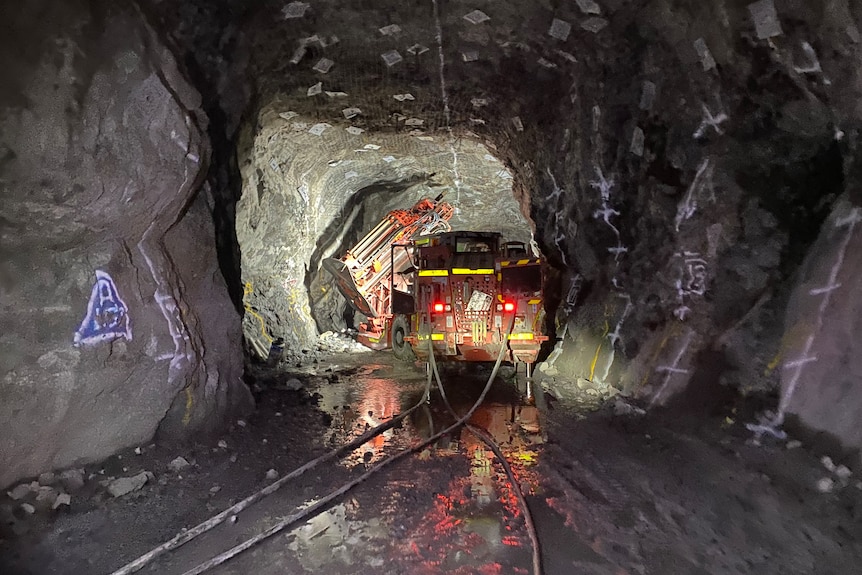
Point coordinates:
[[125, 485], [62, 499], [178, 464]]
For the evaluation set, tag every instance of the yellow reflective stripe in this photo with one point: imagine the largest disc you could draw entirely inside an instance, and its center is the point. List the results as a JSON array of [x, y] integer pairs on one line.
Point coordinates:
[[520, 262], [465, 271], [437, 337], [534, 301], [520, 336], [422, 242], [433, 273]]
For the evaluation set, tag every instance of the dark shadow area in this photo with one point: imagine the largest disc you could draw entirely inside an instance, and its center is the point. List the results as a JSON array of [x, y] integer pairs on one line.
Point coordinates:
[[325, 300]]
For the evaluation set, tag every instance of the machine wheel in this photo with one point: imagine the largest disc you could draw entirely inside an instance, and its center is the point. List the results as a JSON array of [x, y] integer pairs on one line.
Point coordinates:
[[400, 347]]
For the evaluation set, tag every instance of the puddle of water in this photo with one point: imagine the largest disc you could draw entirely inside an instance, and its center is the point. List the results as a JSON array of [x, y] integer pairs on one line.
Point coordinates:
[[364, 401], [475, 525], [331, 539]]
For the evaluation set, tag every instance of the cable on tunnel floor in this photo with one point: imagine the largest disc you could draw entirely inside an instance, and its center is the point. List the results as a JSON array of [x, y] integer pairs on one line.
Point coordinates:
[[516, 488], [295, 517], [186, 536]]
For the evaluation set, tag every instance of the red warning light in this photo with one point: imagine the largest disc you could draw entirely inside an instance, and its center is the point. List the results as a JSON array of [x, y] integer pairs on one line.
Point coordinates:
[[509, 306], [438, 307]]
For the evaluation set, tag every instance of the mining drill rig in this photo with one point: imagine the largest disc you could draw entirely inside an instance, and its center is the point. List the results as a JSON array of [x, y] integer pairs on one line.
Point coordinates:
[[424, 287]]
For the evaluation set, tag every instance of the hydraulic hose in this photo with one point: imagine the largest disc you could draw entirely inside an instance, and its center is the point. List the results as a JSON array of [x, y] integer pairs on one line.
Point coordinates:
[[516, 488], [186, 536], [293, 518]]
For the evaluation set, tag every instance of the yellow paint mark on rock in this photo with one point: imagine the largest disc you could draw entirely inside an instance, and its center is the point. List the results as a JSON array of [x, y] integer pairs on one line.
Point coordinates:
[[598, 350], [793, 337], [246, 291], [187, 417], [774, 363]]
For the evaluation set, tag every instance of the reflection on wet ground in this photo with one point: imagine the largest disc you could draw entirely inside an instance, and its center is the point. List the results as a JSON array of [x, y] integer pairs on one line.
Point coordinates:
[[475, 523], [333, 538]]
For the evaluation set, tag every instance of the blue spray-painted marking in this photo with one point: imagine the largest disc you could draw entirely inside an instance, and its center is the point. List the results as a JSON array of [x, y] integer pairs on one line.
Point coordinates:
[[107, 316]]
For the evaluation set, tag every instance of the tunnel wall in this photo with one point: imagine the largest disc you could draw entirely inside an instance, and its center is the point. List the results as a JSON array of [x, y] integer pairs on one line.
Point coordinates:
[[116, 320], [704, 145]]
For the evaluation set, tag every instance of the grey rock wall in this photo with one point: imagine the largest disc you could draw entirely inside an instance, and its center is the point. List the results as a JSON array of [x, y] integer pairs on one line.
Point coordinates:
[[116, 319], [821, 375]]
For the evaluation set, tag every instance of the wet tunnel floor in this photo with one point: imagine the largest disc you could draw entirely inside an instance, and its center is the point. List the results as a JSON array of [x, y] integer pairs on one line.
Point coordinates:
[[609, 493]]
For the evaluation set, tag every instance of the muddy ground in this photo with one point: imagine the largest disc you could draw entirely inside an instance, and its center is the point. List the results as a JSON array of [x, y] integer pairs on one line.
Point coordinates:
[[611, 491]]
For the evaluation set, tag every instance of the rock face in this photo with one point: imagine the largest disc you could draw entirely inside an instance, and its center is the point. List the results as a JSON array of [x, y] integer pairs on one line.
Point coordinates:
[[116, 318], [821, 376], [308, 196]]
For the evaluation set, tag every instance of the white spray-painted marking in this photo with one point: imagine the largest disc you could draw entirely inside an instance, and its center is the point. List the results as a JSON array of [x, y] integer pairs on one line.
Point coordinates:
[[558, 191], [827, 289], [606, 212], [799, 362], [688, 206], [710, 121], [168, 306], [693, 276], [618, 251], [559, 236], [849, 221], [447, 113], [669, 369], [615, 336], [672, 369], [681, 312]]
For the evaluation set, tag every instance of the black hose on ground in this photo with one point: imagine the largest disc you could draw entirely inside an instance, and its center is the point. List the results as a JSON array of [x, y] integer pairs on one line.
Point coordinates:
[[295, 517], [516, 488], [186, 536]]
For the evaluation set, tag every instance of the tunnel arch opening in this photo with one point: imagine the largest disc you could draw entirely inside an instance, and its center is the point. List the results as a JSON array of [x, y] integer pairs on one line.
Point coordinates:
[[312, 189]]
